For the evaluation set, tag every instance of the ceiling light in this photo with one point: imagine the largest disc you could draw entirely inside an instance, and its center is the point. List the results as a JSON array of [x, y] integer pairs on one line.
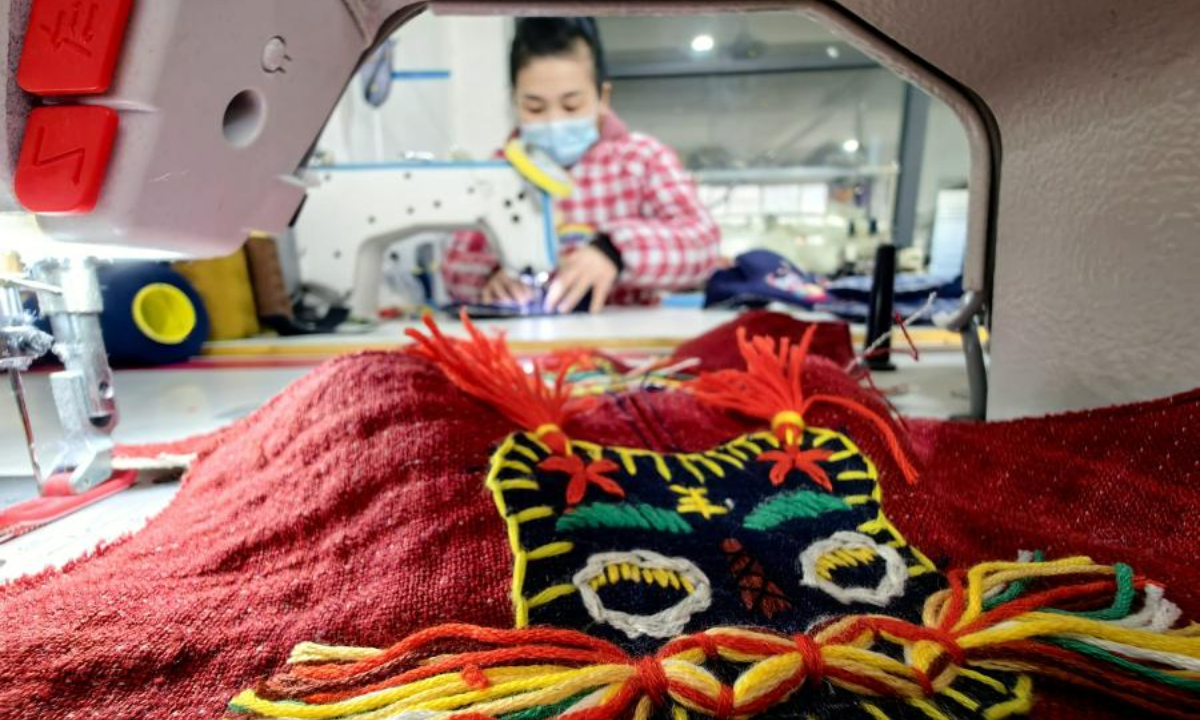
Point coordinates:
[[851, 145], [703, 43], [833, 52]]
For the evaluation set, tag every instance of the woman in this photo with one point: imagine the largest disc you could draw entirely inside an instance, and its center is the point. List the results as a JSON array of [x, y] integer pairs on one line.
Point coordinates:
[[649, 231]]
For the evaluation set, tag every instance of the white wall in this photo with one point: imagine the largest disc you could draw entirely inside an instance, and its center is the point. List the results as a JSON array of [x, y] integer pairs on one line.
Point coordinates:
[[468, 114]]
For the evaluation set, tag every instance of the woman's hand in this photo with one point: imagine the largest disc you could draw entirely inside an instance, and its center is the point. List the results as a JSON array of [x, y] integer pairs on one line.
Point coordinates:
[[504, 288], [584, 269]]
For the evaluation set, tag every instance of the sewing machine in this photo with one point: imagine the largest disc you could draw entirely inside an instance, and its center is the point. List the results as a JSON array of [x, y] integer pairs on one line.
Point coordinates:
[[356, 212], [117, 158], [176, 128]]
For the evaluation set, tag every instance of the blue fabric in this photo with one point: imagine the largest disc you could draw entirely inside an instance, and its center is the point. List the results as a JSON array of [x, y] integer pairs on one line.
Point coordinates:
[[759, 277], [909, 286], [850, 297]]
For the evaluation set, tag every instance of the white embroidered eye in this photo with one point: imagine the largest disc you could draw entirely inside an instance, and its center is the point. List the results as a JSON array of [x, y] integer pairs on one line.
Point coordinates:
[[854, 551], [643, 593]]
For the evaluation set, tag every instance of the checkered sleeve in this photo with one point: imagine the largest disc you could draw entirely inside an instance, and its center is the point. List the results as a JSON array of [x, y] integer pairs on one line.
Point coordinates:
[[468, 265], [674, 244]]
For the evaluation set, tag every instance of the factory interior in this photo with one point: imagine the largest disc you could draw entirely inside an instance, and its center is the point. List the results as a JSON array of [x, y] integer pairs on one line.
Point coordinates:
[[851, 348]]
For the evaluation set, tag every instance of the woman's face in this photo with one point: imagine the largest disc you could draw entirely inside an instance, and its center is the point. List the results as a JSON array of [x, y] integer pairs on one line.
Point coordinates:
[[559, 87]]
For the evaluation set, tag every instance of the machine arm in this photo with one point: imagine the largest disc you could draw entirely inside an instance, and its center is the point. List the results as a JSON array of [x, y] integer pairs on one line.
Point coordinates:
[[217, 104]]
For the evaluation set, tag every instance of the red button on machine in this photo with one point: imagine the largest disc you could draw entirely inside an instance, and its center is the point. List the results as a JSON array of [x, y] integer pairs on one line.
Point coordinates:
[[71, 46], [64, 158]]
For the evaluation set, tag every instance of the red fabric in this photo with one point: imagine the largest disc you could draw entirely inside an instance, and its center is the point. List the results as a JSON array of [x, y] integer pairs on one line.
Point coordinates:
[[351, 510], [633, 188], [718, 349]]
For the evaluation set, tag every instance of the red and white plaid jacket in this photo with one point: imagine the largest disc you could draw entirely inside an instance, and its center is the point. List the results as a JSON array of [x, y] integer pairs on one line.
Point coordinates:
[[634, 189]]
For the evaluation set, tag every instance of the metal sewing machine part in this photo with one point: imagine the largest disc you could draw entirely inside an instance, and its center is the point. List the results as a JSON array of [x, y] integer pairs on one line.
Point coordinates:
[[354, 213], [68, 294], [120, 159]]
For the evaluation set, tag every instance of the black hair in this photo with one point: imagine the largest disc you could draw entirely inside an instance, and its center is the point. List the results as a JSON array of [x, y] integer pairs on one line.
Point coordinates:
[[549, 37]]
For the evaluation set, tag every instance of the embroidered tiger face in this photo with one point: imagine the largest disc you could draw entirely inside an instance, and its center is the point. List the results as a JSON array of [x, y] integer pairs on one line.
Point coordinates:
[[641, 546], [638, 547]]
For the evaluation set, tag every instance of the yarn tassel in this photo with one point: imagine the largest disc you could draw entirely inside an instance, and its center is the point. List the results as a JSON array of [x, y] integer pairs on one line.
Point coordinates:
[[1071, 620], [771, 389], [485, 368]]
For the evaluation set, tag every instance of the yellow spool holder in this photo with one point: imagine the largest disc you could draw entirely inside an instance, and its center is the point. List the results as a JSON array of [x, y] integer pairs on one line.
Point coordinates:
[[164, 313]]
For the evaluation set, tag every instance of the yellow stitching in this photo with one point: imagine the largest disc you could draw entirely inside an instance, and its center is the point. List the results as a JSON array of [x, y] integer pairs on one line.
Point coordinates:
[[695, 500], [747, 443], [1021, 703], [540, 445], [550, 594], [614, 572], [979, 677], [843, 557], [928, 708], [678, 713], [661, 466], [527, 452], [857, 499], [842, 455], [713, 467], [519, 484], [520, 606], [961, 699], [847, 475], [550, 550], [626, 460], [515, 465], [593, 450], [873, 711], [539, 512], [766, 437], [876, 526], [729, 448], [823, 435], [727, 459], [686, 462], [925, 562]]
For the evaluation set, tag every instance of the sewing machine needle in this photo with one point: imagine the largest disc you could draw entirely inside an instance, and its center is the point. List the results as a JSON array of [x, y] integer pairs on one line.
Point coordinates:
[[18, 389]]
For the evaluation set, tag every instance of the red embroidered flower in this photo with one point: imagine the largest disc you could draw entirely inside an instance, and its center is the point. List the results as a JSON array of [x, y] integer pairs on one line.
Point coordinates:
[[791, 458], [583, 475]]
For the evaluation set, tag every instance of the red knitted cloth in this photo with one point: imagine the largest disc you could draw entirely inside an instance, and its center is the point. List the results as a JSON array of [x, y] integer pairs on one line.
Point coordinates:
[[351, 510]]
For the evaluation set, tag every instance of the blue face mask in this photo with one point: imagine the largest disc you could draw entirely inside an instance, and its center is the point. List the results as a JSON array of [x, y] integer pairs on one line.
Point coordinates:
[[565, 141]]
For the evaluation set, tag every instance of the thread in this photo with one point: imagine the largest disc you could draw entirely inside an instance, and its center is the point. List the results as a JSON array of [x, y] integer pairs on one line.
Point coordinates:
[[630, 516], [770, 389], [485, 368], [547, 673], [583, 475], [801, 504], [663, 624], [843, 547]]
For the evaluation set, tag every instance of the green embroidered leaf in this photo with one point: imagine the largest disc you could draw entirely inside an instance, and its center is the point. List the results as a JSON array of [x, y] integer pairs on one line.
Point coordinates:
[[635, 516], [799, 504]]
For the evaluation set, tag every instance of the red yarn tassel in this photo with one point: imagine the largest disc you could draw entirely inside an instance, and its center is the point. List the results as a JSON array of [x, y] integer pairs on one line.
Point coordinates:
[[770, 389], [485, 368]]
